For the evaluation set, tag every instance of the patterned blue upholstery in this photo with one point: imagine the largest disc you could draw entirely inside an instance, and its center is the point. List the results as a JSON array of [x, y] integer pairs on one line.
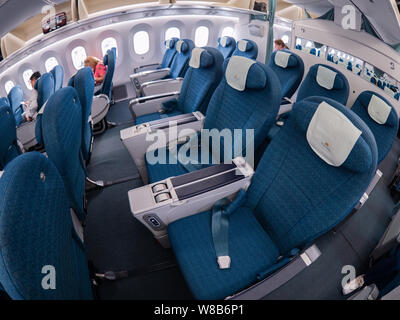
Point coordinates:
[[294, 198], [229, 109], [110, 60], [169, 53], [83, 82], [8, 142], [45, 88], [385, 134], [181, 59], [228, 48], [251, 50], [58, 75], [198, 86], [291, 76], [39, 233], [16, 97], [309, 87], [62, 137]]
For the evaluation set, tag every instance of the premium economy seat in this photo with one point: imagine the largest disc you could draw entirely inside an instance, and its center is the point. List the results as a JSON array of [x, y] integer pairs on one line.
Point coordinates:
[[289, 68], [246, 48], [16, 97], [226, 45], [62, 138], [309, 179], [9, 148], [325, 81], [201, 79], [245, 83], [83, 82], [58, 75], [41, 255], [165, 79], [381, 118]]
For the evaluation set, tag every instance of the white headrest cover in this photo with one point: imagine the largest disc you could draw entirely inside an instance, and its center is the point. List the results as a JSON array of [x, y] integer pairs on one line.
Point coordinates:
[[223, 41], [378, 110], [236, 72], [282, 58], [242, 44], [331, 135], [326, 77], [195, 58], [179, 46], [168, 43]]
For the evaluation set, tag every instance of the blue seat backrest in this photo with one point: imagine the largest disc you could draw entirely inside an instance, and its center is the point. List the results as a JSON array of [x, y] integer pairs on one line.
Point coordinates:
[[384, 133], [310, 86], [169, 53], [297, 196], [181, 60], [62, 137], [200, 82], [246, 48], [8, 133], [230, 109], [45, 88], [290, 76], [58, 75], [110, 60], [83, 82], [16, 97], [226, 45], [37, 237]]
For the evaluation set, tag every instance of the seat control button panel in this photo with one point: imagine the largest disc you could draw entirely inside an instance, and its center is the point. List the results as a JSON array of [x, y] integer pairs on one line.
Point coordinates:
[[159, 187]]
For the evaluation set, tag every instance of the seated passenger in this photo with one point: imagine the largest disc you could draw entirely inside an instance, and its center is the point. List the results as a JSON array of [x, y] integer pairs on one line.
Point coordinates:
[[280, 45], [31, 106], [99, 69]]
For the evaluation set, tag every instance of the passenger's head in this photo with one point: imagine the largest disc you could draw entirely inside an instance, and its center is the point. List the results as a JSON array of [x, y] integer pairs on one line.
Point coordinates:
[[279, 44], [34, 77], [91, 62]]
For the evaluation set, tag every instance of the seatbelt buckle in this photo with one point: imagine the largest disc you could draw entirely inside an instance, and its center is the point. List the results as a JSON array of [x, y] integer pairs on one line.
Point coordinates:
[[224, 262]]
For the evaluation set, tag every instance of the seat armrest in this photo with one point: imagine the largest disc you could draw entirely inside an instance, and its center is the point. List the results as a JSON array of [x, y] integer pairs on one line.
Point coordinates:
[[150, 104], [26, 134], [161, 86], [370, 292], [279, 278], [100, 106], [284, 108], [146, 67], [392, 295], [138, 79], [158, 204]]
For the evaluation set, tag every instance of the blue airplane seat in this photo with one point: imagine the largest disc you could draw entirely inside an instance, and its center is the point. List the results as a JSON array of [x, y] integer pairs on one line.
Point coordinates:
[[246, 48], [245, 83], [289, 68], [226, 45], [201, 79], [109, 60], [83, 82], [325, 81], [37, 237], [16, 97], [62, 137], [381, 118], [180, 62], [276, 217], [58, 75], [45, 88], [9, 148]]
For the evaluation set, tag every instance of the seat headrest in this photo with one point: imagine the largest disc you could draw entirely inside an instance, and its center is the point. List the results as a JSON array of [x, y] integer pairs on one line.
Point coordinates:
[[225, 41], [378, 109], [181, 46], [201, 58], [285, 59], [242, 73], [106, 58], [328, 79], [170, 43], [244, 45]]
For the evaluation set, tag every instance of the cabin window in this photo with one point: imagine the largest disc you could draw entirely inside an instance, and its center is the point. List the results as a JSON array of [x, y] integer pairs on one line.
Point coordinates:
[[26, 75], [141, 42], [172, 32], [201, 36], [8, 86], [227, 32], [50, 63], [78, 55], [285, 39], [107, 44]]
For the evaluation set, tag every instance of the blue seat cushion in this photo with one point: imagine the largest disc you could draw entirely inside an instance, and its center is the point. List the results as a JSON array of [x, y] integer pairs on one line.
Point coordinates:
[[250, 248], [155, 116]]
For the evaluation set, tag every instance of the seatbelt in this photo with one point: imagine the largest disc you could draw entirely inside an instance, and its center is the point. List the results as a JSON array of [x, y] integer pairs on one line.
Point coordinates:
[[220, 227]]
